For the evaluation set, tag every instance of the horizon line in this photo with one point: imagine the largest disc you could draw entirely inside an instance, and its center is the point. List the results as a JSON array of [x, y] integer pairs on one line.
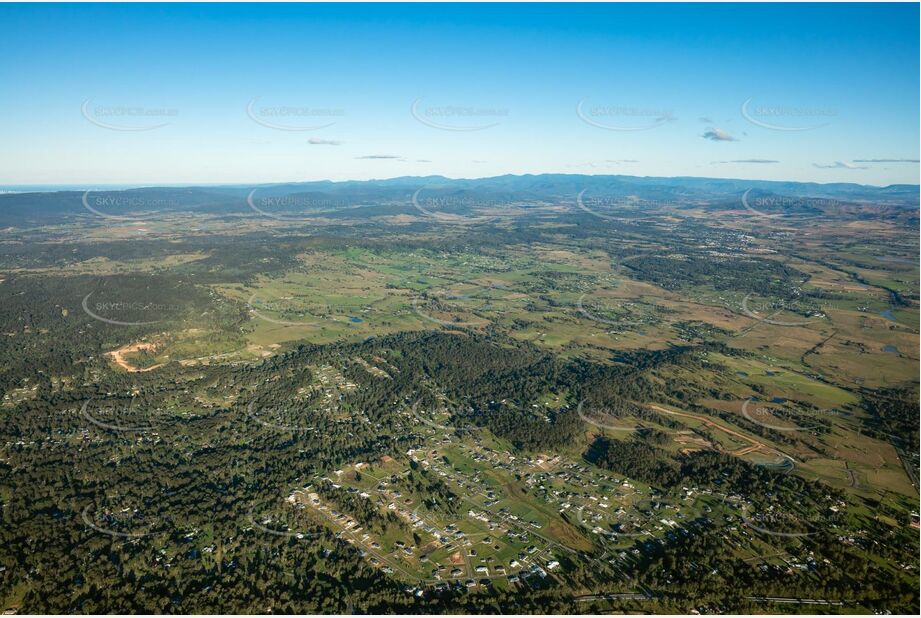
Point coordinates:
[[123, 186]]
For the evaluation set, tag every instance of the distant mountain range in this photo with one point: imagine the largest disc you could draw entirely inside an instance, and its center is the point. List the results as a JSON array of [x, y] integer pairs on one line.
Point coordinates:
[[19, 208]]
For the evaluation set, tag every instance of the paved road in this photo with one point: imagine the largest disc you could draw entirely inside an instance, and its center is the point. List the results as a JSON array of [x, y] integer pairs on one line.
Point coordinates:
[[852, 478], [795, 601], [612, 596]]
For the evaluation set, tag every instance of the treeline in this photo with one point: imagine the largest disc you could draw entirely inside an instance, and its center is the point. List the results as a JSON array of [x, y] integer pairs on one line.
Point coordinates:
[[634, 459], [894, 415], [768, 278], [637, 458], [701, 571]]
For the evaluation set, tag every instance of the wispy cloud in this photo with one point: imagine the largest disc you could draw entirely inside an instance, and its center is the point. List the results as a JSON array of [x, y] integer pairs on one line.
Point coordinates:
[[378, 156], [705, 120], [316, 141], [606, 164], [716, 134], [839, 165], [745, 161], [886, 161]]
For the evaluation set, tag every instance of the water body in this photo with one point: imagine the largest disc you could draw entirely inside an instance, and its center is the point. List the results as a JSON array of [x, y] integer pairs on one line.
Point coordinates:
[[891, 349], [355, 320], [887, 314]]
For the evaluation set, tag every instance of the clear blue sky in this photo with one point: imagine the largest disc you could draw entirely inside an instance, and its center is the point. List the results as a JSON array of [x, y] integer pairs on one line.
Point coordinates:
[[73, 75]]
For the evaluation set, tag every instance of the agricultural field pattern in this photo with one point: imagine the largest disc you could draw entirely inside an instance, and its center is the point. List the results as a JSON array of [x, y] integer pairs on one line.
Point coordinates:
[[525, 394]]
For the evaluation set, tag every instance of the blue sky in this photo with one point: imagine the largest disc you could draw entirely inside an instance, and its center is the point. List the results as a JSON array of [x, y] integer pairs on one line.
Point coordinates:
[[266, 93]]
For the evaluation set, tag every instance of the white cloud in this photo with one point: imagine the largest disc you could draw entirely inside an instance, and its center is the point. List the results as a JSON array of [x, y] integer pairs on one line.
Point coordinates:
[[839, 165], [316, 141], [716, 134]]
